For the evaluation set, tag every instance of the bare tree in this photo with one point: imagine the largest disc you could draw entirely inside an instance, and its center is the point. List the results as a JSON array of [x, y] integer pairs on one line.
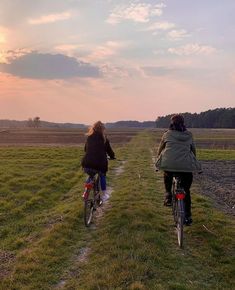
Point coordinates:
[[30, 123], [36, 122]]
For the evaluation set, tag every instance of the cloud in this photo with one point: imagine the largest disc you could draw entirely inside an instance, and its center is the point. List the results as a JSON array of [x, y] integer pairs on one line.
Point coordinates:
[[157, 9], [192, 49], [66, 47], [179, 71], [107, 50], [137, 12], [160, 26], [7, 56], [156, 70], [178, 34], [44, 19], [111, 71], [69, 49], [49, 66]]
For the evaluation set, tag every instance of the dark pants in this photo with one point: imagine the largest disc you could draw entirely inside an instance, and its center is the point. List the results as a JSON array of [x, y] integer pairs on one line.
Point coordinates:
[[186, 182]]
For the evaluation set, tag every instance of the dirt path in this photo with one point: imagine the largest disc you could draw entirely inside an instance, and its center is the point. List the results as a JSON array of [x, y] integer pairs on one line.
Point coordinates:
[[83, 254], [218, 182]]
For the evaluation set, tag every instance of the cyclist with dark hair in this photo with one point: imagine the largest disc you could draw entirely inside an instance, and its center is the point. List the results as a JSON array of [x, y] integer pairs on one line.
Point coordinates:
[[97, 148], [177, 154]]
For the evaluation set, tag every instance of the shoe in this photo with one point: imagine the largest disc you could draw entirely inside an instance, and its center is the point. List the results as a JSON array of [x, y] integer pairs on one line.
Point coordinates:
[[105, 195], [168, 199], [188, 221], [167, 202]]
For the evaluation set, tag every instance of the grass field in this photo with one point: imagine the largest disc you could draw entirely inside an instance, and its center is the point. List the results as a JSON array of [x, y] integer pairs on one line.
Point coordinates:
[[205, 138], [57, 137], [44, 244]]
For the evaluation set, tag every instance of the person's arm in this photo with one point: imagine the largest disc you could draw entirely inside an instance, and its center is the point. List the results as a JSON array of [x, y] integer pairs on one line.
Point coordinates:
[[161, 146], [193, 148], [85, 146], [192, 145], [109, 149]]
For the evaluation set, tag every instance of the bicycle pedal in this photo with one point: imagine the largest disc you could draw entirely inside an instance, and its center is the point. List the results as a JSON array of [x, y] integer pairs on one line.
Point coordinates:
[[100, 202], [168, 204], [188, 222]]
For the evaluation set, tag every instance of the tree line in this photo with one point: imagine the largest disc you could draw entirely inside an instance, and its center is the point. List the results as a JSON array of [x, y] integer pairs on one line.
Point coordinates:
[[217, 118]]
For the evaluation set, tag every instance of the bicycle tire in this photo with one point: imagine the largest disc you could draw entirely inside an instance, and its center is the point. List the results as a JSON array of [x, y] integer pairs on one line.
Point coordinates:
[[174, 209], [97, 197], [180, 222], [88, 211]]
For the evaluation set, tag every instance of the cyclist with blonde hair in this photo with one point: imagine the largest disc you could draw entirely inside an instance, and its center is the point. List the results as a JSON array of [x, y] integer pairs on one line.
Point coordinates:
[[97, 148]]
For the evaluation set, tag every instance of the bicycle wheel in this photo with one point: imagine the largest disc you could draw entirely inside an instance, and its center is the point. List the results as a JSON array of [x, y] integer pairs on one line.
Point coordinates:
[[174, 208], [88, 211], [97, 197], [180, 222]]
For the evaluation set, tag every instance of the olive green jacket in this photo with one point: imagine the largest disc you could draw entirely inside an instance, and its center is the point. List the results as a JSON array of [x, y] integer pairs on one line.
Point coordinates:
[[177, 152]]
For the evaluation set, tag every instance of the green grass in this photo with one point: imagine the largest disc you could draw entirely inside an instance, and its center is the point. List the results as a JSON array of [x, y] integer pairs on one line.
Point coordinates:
[[134, 244], [39, 212], [215, 154]]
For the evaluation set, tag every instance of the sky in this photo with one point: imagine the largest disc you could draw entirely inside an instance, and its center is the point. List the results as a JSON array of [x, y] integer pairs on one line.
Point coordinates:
[[85, 60]]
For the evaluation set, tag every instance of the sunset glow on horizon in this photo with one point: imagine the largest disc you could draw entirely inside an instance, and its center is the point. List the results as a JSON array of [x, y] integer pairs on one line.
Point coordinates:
[[79, 61]]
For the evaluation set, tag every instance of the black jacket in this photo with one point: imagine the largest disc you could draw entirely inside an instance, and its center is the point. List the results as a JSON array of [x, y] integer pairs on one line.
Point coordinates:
[[96, 150]]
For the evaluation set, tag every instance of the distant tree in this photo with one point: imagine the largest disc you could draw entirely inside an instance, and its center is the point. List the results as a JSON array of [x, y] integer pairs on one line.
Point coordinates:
[[30, 123], [36, 122]]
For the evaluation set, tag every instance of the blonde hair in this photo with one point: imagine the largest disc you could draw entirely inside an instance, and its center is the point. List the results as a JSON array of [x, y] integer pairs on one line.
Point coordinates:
[[97, 127]]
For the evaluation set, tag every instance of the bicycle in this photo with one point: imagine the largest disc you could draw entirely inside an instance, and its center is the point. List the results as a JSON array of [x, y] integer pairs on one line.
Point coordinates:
[[178, 208], [91, 196]]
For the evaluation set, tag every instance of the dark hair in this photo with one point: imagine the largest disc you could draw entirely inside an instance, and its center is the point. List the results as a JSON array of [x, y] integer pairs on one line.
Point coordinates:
[[177, 123]]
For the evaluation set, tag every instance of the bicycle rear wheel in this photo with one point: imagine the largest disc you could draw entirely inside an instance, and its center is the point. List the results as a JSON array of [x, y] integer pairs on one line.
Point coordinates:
[[88, 211], [180, 221]]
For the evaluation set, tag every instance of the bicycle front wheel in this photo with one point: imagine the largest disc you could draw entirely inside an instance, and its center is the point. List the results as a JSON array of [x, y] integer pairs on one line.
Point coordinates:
[[88, 212], [180, 222]]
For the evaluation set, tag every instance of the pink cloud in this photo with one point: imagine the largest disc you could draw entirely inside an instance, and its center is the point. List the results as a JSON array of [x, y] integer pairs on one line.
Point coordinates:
[[137, 12], [45, 19]]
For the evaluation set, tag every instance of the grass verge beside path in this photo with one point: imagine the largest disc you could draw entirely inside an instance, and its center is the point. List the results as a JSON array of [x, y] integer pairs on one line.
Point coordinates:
[[40, 215], [135, 246], [216, 154]]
